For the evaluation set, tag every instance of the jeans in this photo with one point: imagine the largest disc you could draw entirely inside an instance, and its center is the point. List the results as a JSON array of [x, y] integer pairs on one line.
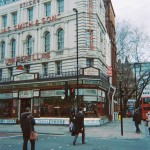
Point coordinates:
[[25, 143]]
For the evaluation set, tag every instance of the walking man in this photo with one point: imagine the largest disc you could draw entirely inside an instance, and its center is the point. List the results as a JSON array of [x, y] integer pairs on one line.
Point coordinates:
[[137, 118], [27, 123], [79, 126]]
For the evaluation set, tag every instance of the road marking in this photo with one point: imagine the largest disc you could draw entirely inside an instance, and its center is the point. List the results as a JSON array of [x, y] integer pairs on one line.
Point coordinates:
[[9, 137]]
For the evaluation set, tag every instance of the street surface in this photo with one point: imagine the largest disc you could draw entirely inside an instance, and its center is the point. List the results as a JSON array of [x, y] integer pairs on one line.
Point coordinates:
[[106, 137]]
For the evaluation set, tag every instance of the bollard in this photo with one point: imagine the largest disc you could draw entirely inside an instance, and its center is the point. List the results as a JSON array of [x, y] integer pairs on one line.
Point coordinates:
[[119, 117]]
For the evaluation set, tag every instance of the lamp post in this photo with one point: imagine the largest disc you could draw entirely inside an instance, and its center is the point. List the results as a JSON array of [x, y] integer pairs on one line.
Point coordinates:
[[135, 83], [76, 11]]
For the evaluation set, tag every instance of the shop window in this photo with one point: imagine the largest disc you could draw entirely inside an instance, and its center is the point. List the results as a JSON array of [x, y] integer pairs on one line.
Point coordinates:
[[2, 51], [47, 42], [5, 108], [13, 48], [60, 39], [47, 9], [60, 6]]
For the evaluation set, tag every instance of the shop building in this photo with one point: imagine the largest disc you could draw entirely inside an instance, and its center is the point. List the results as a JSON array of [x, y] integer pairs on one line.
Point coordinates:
[[38, 58]]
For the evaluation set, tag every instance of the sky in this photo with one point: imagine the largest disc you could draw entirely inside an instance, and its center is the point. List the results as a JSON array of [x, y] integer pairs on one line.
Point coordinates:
[[135, 12]]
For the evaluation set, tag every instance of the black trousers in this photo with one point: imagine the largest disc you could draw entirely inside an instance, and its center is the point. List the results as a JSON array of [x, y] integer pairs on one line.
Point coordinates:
[[25, 143], [76, 136]]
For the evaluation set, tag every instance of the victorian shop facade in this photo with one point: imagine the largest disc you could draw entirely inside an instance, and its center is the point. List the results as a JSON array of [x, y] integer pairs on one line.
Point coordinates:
[[40, 36]]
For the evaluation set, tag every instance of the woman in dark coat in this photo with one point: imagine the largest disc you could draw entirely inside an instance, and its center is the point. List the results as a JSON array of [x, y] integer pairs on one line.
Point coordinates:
[[27, 123]]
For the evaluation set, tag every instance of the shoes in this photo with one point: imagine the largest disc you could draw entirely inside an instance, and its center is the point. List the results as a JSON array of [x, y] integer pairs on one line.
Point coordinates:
[[74, 143], [83, 143]]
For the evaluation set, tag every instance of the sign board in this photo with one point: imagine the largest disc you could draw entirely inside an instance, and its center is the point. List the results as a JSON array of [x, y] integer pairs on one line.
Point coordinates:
[[90, 71], [25, 76], [47, 93], [26, 94]]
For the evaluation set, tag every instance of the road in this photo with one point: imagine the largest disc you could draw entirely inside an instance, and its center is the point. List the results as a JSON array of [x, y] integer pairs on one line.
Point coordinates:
[[64, 142]]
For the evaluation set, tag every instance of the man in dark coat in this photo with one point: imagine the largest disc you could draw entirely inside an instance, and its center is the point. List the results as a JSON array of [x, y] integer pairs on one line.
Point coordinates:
[[27, 123], [137, 118], [79, 126]]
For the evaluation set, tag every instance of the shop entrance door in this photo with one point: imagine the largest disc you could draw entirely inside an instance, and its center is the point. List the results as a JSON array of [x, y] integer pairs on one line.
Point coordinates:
[[24, 104]]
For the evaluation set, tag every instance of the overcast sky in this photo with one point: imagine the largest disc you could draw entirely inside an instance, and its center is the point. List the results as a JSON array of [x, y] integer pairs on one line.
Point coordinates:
[[134, 11]]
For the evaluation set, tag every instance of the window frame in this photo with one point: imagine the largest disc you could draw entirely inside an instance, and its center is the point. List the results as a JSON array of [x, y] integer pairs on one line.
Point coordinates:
[[13, 48], [30, 14], [90, 62], [2, 52], [47, 38], [60, 6], [45, 69], [47, 7], [59, 67], [60, 39], [4, 21], [14, 18], [29, 45]]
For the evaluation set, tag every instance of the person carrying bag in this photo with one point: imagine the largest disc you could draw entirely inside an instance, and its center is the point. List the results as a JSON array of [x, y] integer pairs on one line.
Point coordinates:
[[27, 123]]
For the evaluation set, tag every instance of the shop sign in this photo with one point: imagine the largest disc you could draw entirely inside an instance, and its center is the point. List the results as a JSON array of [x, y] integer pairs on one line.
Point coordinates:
[[36, 93], [56, 121], [91, 71], [6, 95], [91, 122], [90, 98], [47, 93], [59, 92], [42, 121], [25, 76], [9, 121], [90, 92], [15, 94], [26, 94]]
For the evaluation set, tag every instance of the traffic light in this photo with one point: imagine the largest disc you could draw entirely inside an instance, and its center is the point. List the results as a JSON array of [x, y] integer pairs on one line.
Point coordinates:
[[66, 90], [72, 93]]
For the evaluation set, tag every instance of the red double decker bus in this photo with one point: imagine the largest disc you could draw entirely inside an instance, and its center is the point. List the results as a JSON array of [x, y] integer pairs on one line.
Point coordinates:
[[145, 107]]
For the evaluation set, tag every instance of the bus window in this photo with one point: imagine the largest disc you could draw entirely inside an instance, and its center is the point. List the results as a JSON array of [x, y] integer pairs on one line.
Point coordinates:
[[146, 100]]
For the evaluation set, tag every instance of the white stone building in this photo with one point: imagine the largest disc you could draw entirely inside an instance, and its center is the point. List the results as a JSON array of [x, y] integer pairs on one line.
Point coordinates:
[[41, 35]]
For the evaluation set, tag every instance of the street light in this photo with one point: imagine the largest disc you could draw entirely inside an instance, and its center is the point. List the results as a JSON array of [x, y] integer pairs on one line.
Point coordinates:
[[76, 11]]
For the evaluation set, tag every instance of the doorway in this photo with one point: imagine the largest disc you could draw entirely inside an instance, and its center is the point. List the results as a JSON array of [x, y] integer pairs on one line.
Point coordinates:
[[24, 104]]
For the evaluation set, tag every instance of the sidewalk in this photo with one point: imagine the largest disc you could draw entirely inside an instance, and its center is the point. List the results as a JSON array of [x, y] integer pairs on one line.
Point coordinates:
[[109, 130]]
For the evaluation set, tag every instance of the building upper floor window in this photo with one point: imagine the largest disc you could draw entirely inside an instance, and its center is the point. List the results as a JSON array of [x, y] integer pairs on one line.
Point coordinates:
[[89, 38], [27, 68], [4, 19], [60, 39], [45, 69], [29, 45], [30, 14], [14, 18], [47, 9], [13, 48], [2, 51], [60, 6], [89, 62], [10, 71], [1, 74], [59, 67], [47, 42]]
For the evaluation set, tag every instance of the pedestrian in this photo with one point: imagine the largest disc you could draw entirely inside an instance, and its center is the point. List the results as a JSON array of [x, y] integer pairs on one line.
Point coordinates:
[[72, 123], [79, 126], [148, 122], [27, 123], [137, 119]]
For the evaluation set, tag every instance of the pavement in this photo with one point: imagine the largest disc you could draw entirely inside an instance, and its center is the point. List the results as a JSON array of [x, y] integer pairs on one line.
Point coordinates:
[[109, 130]]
